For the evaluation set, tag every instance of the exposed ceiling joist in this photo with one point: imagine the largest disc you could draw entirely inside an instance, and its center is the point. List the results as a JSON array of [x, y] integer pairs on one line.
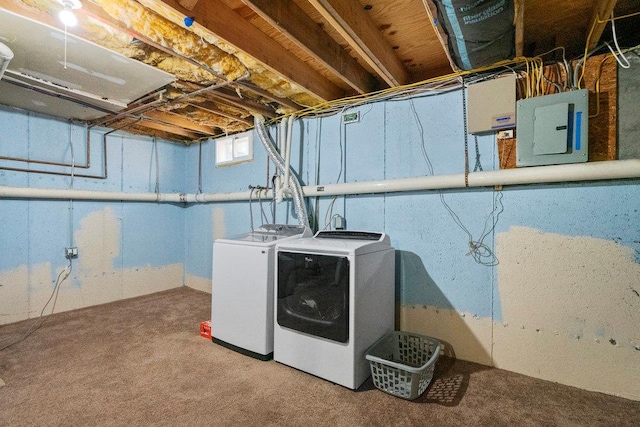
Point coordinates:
[[265, 94], [292, 21], [213, 108], [177, 120], [279, 56], [232, 99], [432, 12], [152, 124], [234, 30], [601, 13], [351, 21], [188, 4]]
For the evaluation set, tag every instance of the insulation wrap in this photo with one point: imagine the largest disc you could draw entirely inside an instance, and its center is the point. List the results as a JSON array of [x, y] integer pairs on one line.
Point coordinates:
[[479, 32]]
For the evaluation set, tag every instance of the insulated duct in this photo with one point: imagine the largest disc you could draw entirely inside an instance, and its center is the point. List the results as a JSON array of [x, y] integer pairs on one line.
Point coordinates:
[[5, 56], [298, 197]]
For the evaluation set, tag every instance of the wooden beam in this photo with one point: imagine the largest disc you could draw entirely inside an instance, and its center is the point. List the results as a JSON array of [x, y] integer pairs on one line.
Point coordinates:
[[288, 18], [361, 33], [168, 128], [228, 96], [234, 30], [188, 4], [232, 99], [518, 23], [285, 102], [431, 10], [180, 121], [601, 13], [213, 108]]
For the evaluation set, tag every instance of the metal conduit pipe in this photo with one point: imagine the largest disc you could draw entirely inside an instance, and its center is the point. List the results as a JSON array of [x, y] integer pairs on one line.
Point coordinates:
[[596, 171]]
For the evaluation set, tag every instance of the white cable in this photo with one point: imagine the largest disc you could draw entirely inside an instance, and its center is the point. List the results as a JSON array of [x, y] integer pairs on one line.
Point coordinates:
[[619, 53], [250, 207], [155, 148], [73, 166], [478, 250]]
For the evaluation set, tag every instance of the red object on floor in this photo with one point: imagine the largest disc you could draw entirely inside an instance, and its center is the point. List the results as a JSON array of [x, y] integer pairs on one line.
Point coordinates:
[[205, 329]]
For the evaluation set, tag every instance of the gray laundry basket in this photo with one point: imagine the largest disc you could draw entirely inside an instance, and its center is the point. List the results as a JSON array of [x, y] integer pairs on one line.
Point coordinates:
[[402, 363]]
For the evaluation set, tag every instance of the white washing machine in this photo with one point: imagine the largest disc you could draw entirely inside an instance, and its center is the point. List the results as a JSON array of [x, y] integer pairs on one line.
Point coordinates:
[[242, 288], [335, 297]]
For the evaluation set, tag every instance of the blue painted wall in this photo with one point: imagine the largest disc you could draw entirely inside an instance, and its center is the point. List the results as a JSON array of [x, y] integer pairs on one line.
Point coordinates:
[[391, 141], [34, 233], [451, 295]]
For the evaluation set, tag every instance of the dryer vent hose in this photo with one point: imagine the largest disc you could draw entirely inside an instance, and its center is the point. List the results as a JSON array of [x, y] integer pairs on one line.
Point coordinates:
[[298, 198]]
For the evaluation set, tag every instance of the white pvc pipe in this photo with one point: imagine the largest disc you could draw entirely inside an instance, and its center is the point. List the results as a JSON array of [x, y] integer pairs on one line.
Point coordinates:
[[594, 171]]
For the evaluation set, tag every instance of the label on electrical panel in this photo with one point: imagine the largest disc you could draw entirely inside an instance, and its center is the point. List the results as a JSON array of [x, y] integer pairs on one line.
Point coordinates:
[[502, 121]]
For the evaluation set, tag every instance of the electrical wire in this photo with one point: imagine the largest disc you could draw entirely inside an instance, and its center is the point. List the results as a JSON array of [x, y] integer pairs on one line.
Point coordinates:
[[200, 167], [478, 250], [342, 154], [251, 206], [618, 53], [478, 165], [431, 86], [329, 210], [68, 269], [54, 295], [73, 169], [262, 213], [155, 149]]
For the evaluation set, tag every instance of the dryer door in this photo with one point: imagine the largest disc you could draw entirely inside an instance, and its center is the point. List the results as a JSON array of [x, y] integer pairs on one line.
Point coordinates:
[[313, 294]]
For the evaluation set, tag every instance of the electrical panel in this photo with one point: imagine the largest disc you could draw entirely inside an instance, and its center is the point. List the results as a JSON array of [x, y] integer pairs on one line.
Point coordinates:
[[553, 129], [491, 105]]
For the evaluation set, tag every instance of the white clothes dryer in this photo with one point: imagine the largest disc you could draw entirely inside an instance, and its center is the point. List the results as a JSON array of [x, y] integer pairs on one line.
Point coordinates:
[[335, 297], [242, 288]]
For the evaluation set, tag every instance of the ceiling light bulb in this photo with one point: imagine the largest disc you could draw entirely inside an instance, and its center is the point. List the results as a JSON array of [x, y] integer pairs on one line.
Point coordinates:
[[67, 17]]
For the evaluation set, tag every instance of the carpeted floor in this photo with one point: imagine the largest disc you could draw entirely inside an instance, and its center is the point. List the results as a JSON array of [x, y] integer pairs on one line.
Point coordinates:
[[143, 362]]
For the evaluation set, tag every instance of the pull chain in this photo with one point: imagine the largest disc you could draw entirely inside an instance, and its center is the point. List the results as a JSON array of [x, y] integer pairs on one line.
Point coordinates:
[[466, 137]]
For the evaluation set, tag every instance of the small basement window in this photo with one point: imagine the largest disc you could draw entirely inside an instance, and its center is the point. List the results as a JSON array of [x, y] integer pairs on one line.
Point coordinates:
[[234, 149]]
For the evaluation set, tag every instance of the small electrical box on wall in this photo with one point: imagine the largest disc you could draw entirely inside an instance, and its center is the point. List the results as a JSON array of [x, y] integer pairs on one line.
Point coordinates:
[[491, 105], [553, 129]]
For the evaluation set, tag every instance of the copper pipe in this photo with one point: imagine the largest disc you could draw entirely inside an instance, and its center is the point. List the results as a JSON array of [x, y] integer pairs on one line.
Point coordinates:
[[104, 165], [46, 162]]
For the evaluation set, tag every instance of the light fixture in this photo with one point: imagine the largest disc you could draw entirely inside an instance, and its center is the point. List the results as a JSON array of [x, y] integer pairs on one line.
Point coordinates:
[[5, 56], [66, 15]]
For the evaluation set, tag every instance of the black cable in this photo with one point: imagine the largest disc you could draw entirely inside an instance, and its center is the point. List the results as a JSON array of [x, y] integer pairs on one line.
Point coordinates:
[[478, 165]]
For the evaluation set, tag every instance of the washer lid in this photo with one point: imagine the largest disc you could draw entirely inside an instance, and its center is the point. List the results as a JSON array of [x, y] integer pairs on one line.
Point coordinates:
[[269, 234], [340, 242]]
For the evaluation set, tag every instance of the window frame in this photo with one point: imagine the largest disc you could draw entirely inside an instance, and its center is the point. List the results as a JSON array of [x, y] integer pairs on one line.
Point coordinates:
[[235, 140]]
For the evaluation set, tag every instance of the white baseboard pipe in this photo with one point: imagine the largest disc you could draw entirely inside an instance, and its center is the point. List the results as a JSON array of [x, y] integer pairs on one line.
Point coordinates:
[[595, 171]]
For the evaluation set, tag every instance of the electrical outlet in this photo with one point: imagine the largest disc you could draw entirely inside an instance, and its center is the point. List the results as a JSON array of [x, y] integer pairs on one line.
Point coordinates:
[[338, 222], [505, 134], [353, 117], [71, 253]]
